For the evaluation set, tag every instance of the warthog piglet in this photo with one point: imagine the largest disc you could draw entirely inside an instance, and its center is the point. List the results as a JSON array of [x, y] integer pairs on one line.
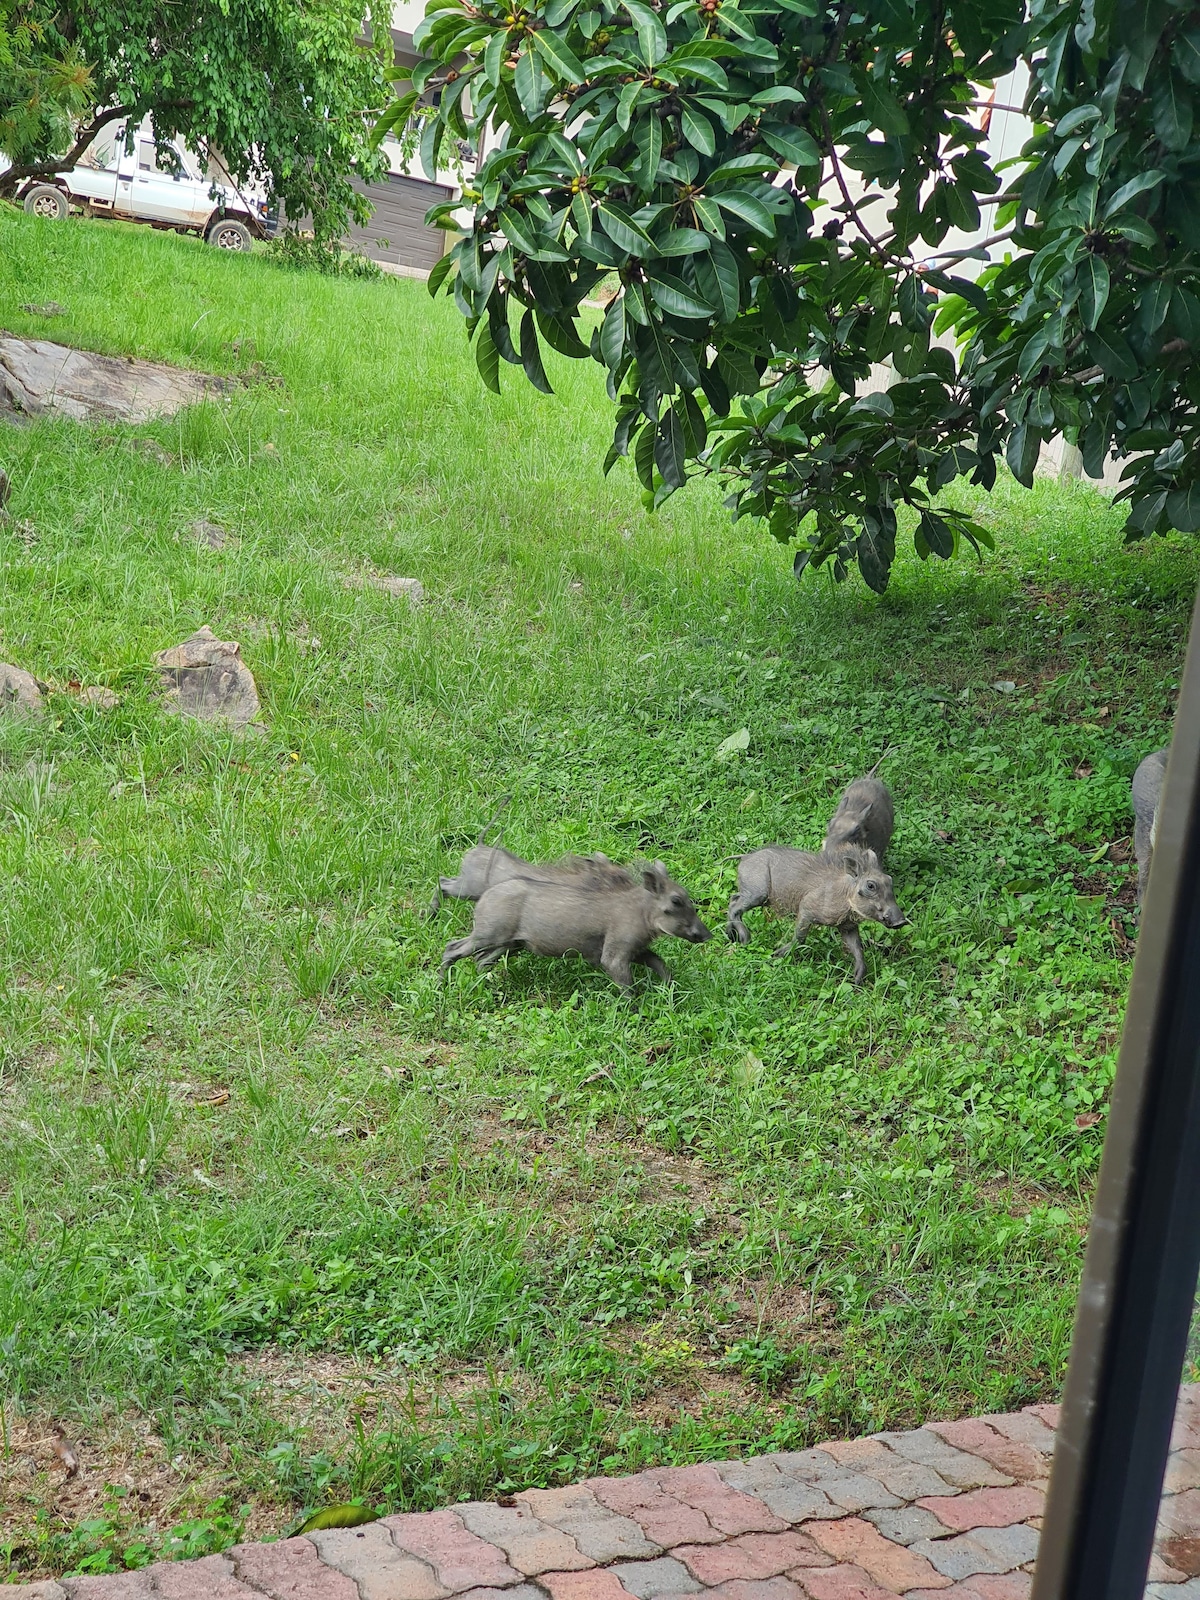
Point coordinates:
[[837, 890], [611, 928], [864, 818], [1147, 791], [486, 865]]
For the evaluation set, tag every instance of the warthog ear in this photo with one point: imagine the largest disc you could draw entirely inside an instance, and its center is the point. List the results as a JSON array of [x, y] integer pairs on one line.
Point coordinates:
[[655, 878]]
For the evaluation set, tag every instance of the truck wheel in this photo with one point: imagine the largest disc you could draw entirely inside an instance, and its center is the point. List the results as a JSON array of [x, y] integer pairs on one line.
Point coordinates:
[[229, 235], [44, 200]]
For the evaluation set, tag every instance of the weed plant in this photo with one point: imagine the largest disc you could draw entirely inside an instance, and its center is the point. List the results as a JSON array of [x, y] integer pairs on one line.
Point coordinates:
[[540, 1228]]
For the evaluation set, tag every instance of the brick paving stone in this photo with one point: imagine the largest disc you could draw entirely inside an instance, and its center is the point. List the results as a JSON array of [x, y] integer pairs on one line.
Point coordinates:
[[598, 1584], [1018, 1460], [1185, 1434], [650, 1579], [369, 1557], [805, 1466], [599, 1532], [1048, 1414], [523, 1591], [845, 1582], [459, 1558], [793, 1502], [1014, 1545], [210, 1578], [961, 1557], [1174, 1591], [1023, 1428], [1179, 1514], [959, 1468], [663, 1519], [986, 1508], [729, 1510], [1183, 1471], [909, 1480], [756, 1589], [1001, 1586], [860, 1455], [752, 1555], [530, 1545], [1163, 1572], [856, 1492], [112, 1586], [907, 1524], [290, 1569], [861, 1544]]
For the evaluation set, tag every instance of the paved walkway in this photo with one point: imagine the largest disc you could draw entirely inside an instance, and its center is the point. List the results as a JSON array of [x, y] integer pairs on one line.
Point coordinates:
[[951, 1510]]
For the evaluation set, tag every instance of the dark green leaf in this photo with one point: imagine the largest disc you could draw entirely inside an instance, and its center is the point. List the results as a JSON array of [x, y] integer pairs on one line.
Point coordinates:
[[1093, 289], [669, 450], [673, 296], [487, 358], [747, 209], [876, 546], [652, 36], [643, 456], [1172, 110], [438, 273], [531, 355], [682, 242], [624, 232], [791, 144], [697, 130], [882, 107], [561, 60], [1183, 509], [1111, 352], [719, 280], [612, 333], [938, 535], [1024, 447]]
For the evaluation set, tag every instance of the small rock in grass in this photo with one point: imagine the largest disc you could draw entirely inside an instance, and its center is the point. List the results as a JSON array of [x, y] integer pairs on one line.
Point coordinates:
[[50, 309], [99, 698], [1004, 686], [410, 589], [208, 533], [206, 677], [20, 692]]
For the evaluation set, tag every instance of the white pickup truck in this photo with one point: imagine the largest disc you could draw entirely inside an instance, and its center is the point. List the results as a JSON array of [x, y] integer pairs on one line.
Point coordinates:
[[164, 187]]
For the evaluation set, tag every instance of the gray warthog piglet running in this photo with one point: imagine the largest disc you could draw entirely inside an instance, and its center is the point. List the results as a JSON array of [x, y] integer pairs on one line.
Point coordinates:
[[833, 890], [1147, 791], [486, 865], [612, 929], [865, 818]]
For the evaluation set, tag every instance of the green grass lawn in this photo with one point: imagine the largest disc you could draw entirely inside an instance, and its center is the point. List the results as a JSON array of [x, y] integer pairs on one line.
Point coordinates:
[[284, 1222]]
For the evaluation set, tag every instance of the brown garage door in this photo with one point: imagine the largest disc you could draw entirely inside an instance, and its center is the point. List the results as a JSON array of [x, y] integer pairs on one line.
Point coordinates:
[[396, 233]]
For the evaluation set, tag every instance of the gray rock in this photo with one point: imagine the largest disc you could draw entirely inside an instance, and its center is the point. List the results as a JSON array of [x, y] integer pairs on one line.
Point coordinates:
[[20, 694], [98, 697], [208, 533], [206, 677], [37, 376]]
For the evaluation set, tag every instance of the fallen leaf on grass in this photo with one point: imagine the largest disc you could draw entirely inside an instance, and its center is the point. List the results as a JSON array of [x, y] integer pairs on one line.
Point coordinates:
[[1087, 1119], [219, 1097], [733, 746]]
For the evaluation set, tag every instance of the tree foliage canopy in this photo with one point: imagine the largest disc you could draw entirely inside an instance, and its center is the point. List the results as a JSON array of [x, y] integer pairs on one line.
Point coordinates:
[[761, 176], [281, 90]]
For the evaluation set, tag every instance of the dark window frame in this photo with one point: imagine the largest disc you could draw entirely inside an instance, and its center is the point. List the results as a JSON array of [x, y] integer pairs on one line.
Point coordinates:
[[1140, 1269]]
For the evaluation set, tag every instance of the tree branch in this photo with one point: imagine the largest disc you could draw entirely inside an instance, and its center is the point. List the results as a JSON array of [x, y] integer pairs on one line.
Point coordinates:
[[840, 179], [63, 163]]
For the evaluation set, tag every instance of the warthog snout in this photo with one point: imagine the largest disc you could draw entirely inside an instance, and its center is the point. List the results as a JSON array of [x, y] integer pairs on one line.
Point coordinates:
[[895, 919]]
